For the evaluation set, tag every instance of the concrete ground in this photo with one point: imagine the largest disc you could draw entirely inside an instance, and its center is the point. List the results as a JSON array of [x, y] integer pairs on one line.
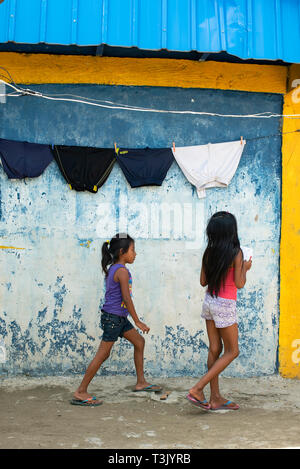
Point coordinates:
[[36, 413]]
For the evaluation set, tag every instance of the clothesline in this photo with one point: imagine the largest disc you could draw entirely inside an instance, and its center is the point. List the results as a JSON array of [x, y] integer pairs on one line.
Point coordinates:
[[111, 105], [87, 168], [273, 135], [19, 92]]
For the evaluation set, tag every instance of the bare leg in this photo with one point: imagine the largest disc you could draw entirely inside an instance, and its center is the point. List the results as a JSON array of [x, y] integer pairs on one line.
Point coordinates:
[[101, 355], [215, 350], [139, 344], [229, 337]]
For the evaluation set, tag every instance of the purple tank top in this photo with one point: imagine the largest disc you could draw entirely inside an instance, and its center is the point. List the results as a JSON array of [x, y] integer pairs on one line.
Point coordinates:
[[114, 303]]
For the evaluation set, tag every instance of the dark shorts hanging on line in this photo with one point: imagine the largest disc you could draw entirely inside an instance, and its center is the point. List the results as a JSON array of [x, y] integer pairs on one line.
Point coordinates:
[[84, 168], [145, 166], [24, 160]]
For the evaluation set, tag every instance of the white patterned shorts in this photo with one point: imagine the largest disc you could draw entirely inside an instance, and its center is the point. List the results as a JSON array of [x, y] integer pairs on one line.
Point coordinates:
[[221, 310]]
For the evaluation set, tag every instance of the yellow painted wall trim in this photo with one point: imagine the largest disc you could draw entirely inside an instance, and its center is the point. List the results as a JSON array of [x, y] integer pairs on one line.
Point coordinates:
[[45, 68], [289, 327], [10, 247]]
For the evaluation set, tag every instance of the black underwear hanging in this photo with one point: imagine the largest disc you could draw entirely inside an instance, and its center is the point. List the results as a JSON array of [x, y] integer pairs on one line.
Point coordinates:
[[84, 168]]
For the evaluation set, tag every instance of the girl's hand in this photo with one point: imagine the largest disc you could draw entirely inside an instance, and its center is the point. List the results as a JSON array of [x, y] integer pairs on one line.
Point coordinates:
[[248, 264], [144, 328]]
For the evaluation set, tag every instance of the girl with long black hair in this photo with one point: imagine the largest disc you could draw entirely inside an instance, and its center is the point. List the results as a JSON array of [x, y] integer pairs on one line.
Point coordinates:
[[223, 272], [116, 253]]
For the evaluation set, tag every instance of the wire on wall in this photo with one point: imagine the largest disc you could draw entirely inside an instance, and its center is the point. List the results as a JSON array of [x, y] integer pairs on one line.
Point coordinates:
[[20, 91]]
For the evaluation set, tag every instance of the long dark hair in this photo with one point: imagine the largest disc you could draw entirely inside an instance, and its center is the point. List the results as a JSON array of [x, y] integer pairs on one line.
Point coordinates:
[[111, 249], [223, 246]]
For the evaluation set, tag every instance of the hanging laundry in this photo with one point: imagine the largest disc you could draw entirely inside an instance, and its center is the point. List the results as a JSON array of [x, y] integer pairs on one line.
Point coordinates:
[[145, 166], [24, 160], [84, 168], [212, 165]]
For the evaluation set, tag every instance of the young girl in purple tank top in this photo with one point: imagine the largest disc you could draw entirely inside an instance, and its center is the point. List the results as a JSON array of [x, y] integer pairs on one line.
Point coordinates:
[[223, 272], [117, 306]]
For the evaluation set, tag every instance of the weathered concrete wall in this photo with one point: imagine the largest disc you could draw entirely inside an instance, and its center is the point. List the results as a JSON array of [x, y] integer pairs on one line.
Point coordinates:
[[51, 283]]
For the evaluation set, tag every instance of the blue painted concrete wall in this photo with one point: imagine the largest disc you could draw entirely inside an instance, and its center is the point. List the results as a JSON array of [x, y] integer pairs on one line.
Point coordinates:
[[52, 289]]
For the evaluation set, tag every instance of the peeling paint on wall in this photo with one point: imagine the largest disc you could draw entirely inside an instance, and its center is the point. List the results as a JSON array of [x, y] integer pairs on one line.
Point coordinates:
[[52, 289]]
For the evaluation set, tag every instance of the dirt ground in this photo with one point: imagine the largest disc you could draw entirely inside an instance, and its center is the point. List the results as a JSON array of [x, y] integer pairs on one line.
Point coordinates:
[[36, 413]]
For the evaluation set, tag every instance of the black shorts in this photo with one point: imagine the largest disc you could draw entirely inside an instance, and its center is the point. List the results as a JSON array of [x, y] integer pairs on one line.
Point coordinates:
[[114, 326], [84, 168]]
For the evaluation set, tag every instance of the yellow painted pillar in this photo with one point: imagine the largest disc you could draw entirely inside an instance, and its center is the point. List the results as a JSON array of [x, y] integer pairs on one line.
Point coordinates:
[[289, 327]]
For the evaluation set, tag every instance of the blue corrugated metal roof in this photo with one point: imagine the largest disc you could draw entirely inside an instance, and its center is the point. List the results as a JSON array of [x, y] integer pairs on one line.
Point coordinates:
[[249, 29]]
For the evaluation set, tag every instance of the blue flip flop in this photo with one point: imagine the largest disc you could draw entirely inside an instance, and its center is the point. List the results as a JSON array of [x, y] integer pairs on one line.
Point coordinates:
[[90, 402], [150, 388], [225, 406]]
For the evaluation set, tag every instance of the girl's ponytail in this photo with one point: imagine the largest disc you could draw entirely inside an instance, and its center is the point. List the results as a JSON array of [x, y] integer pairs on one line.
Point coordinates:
[[111, 249], [107, 258]]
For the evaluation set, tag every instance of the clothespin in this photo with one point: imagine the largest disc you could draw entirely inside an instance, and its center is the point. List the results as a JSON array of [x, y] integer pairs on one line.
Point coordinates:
[[173, 147], [241, 140]]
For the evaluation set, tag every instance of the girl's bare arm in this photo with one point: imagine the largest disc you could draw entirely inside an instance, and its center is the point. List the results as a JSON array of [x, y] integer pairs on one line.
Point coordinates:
[[203, 281], [122, 276], [240, 269]]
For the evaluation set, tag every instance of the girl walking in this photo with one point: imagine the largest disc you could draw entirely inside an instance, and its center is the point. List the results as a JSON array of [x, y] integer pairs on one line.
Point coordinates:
[[223, 272], [118, 304]]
